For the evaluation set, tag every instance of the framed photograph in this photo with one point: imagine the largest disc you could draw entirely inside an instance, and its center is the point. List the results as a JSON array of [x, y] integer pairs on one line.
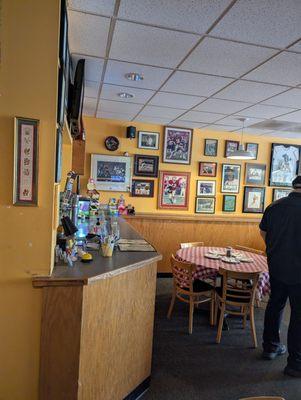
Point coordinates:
[[210, 147], [142, 188], [255, 174], [230, 146], [253, 148], [280, 193], [205, 188], [26, 139], [148, 140], [253, 199], [58, 155], [205, 205], [207, 168], [174, 190], [177, 145], [284, 164], [146, 165], [230, 178], [111, 173], [229, 203]]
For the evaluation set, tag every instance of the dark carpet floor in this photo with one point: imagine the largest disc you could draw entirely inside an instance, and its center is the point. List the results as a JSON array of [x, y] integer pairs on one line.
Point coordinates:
[[194, 367]]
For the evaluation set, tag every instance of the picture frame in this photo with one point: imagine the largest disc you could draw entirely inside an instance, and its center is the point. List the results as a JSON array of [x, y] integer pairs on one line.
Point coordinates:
[[284, 164], [231, 178], [148, 140], [177, 145], [254, 198], [210, 147], [174, 190], [26, 147], [145, 165], [255, 174], [111, 173], [280, 193], [229, 203], [207, 169], [253, 148], [142, 188], [205, 188], [230, 146], [58, 155], [205, 205]]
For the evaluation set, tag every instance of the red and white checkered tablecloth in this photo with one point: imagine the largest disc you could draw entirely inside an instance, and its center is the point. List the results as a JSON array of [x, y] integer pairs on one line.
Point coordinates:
[[208, 268]]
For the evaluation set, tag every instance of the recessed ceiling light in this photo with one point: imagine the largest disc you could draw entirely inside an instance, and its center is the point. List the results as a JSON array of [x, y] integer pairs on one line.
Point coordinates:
[[134, 76], [124, 95]]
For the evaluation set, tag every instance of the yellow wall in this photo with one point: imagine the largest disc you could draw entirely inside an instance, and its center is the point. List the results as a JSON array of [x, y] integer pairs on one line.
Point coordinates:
[[98, 129], [28, 88]]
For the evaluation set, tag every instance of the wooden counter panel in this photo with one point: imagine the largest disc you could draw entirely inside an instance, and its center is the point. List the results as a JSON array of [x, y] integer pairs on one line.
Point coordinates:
[[117, 334], [166, 234]]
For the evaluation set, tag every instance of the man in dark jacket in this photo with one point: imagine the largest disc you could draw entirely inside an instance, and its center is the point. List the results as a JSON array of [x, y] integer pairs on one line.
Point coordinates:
[[280, 227]]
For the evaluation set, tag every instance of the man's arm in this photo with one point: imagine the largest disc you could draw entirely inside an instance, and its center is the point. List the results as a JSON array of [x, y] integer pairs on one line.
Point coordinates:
[[263, 234]]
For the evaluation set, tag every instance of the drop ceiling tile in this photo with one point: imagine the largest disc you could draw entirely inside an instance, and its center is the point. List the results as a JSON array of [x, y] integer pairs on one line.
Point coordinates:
[[186, 124], [254, 131], [195, 84], [235, 121], [110, 92], [250, 91], [264, 111], [89, 106], [285, 135], [153, 76], [150, 45], [283, 69], [88, 34], [153, 120], [221, 57], [221, 106], [269, 22], [91, 89], [118, 116], [175, 100], [296, 47], [162, 112], [104, 7], [119, 107], [93, 67], [199, 116], [291, 98], [199, 15], [217, 127], [292, 117]]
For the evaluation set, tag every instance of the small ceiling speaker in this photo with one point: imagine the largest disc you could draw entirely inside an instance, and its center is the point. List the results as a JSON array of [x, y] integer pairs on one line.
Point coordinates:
[[130, 132]]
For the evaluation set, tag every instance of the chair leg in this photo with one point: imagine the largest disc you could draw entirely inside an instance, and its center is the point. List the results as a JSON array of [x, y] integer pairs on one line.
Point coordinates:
[[220, 324], [212, 305], [216, 307], [191, 310], [253, 328], [172, 303], [244, 318]]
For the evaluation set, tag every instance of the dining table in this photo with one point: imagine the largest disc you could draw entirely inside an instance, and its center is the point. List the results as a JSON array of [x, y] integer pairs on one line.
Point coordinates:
[[207, 268]]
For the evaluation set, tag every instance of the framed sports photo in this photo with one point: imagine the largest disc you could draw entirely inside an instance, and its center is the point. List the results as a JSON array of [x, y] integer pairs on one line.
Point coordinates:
[[111, 173], [174, 190], [284, 164], [207, 168], [280, 193], [177, 145], [148, 140], [253, 199], [255, 174], [210, 147], [142, 188], [230, 178], [205, 188], [229, 203], [205, 205], [252, 148], [146, 165], [230, 146]]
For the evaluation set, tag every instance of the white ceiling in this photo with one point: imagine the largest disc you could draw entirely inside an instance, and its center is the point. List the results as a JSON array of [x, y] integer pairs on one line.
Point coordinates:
[[205, 63]]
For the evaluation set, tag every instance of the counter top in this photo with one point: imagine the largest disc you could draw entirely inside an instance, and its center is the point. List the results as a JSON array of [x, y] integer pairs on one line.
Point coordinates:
[[101, 267]]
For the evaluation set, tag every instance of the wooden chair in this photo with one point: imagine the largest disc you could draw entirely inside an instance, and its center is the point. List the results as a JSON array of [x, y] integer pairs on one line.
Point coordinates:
[[191, 244], [236, 298], [263, 398], [249, 249], [183, 289]]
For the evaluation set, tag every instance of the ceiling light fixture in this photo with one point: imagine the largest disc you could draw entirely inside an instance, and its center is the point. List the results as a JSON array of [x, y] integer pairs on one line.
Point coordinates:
[[241, 153], [134, 76], [124, 95]]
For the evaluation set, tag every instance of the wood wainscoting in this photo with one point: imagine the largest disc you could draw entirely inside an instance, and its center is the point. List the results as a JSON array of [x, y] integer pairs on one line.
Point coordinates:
[[166, 232]]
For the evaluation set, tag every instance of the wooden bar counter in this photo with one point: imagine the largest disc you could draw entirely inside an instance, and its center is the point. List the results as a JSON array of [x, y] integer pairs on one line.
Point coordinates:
[[97, 326]]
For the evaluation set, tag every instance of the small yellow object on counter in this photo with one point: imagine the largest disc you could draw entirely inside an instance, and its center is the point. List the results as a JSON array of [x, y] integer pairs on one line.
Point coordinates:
[[86, 257]]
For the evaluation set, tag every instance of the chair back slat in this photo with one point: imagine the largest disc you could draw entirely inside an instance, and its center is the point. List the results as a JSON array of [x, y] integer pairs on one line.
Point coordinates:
[[249, 249], [191, 244], [182, 273]]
